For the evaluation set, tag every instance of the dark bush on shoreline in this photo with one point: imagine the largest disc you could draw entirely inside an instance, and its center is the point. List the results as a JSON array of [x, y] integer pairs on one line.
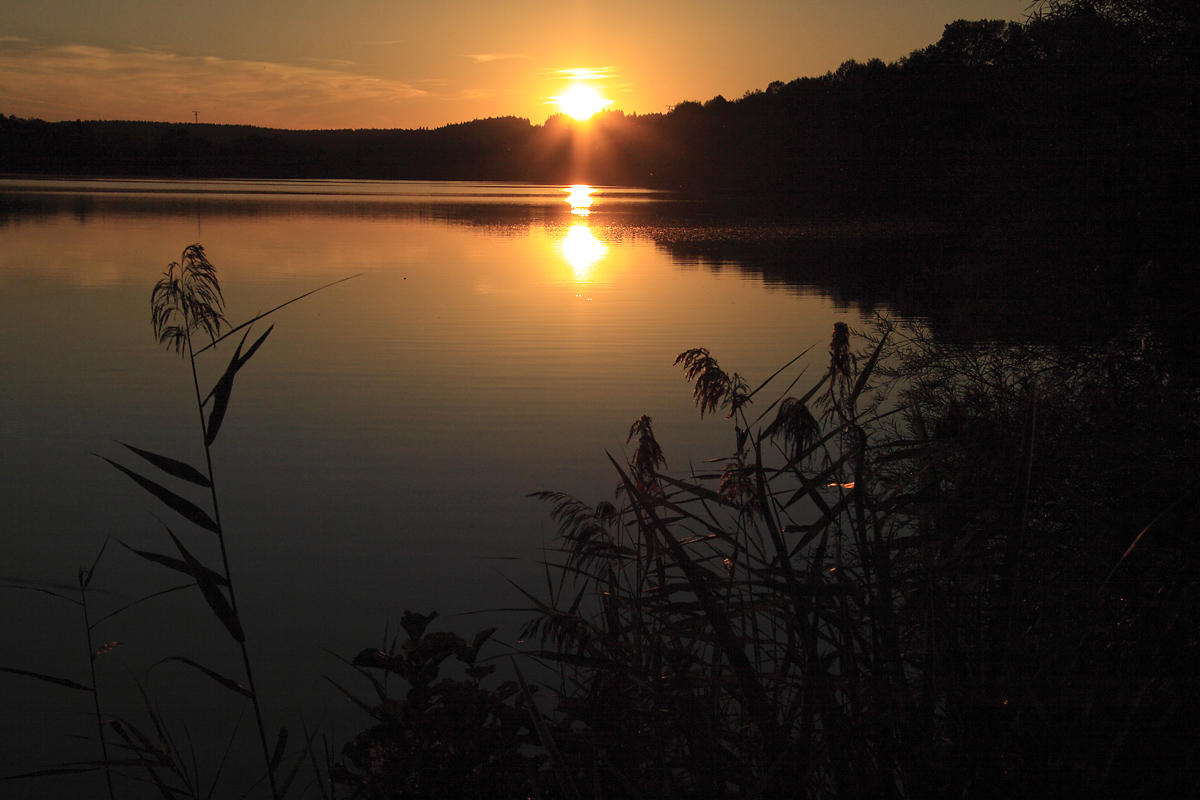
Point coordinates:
[[445, 738]]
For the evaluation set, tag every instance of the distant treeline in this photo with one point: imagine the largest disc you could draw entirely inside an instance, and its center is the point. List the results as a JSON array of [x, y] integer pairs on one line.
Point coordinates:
[[1084, 103]]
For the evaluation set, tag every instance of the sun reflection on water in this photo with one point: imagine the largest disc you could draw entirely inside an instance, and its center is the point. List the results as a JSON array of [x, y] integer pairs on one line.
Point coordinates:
[[580, 198], [582, 250]]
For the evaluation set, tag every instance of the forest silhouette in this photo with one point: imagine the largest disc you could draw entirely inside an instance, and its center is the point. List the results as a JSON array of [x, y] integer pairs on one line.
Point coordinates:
[[1081, 105]]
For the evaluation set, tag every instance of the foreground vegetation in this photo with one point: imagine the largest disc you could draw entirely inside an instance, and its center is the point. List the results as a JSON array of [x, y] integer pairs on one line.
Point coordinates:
[[934, 571], [187, 305]]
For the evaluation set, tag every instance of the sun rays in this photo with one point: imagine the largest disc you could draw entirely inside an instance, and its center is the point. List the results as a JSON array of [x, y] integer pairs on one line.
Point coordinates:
[[581, 100]]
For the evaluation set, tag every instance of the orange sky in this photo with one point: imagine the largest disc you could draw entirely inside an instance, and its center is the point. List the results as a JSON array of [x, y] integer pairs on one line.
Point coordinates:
[[397, 63]]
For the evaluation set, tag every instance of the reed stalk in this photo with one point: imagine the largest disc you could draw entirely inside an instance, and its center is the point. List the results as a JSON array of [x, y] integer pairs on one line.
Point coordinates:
[[85, 578], [187, 302]]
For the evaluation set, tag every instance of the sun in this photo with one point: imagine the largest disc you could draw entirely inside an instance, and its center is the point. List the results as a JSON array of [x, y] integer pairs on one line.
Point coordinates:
[[581, 102]]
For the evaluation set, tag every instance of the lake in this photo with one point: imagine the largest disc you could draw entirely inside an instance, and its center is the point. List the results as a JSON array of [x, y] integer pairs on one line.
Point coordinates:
[[379, 449]]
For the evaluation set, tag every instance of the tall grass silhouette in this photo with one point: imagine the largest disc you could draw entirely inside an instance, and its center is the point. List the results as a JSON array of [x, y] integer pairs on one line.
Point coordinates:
[[889, 587], [187, 302], [187, 315]]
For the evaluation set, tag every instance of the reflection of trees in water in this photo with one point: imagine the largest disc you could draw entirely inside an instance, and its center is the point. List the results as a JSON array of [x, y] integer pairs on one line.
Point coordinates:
[[969, 281]]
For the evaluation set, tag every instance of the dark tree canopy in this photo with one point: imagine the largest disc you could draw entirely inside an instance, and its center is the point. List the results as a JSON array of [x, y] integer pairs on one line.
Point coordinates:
[[1087, 102]]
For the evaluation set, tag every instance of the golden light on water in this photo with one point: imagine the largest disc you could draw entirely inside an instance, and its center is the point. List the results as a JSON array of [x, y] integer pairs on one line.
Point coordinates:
[[582, 250], [581, 102], [580, 198]]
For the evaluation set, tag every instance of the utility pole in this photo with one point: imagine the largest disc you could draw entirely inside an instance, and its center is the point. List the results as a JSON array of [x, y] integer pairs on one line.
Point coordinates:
[[197, 113]]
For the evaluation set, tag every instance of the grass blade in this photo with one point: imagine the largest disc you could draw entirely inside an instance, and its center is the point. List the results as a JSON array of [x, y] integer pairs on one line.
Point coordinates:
[[280, 745], [177, 565], [352, 697], [225, 756], [185, 508], [249, 322], [863, 376], [49, 771], [50, 592], [172, 467], [220, 395], [1133, 545], [139, 600], [224, 388], [85, 575], [48, 678], [380, 690], [212, 593], [254, 347], [228, 683], [307, 751]]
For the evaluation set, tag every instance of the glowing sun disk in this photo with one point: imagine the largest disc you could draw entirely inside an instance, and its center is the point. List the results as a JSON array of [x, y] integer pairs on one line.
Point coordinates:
[[582, 102]]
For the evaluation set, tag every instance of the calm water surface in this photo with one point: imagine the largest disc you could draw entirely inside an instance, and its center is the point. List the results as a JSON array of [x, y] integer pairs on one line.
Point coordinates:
[[379, 449]]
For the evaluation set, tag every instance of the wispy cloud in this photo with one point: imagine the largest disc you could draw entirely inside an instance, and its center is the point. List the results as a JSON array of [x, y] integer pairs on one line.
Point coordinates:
[[585, 73], [483, 58], [95, 82]]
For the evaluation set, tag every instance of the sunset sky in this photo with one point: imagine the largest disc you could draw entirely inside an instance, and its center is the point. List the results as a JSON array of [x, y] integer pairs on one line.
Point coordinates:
[[406, 64]]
